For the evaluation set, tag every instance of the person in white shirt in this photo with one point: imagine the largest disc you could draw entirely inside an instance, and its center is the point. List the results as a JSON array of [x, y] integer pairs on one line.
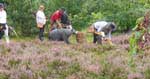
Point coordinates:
[[103, 28], [41, 21], [3, 23]]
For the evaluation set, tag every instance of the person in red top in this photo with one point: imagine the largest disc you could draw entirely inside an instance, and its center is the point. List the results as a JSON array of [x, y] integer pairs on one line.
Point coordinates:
[[55, 19]]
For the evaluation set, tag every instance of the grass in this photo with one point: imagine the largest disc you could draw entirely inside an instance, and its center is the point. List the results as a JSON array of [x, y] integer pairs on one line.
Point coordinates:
[[147, 73], [14, 63], [3, 76]]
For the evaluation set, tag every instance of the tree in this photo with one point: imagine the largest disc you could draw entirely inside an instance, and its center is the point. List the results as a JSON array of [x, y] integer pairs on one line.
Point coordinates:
[[81, 12]]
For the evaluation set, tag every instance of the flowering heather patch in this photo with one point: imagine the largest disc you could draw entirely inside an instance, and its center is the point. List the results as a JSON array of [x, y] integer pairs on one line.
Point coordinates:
[[135, 76], [95, 68], [56, 60]]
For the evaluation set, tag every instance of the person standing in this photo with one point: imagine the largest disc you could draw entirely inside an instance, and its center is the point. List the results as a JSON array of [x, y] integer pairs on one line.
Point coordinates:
[[41, 21], [3, 23]]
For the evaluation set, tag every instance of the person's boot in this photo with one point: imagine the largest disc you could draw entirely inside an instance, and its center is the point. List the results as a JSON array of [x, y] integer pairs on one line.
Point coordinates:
[[1, 34], [41, 38], [99, 39]]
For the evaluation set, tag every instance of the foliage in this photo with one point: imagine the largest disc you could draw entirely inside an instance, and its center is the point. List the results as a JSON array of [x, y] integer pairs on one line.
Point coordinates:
[[140, 37], [146, 73], [3, 76], [81, 12]]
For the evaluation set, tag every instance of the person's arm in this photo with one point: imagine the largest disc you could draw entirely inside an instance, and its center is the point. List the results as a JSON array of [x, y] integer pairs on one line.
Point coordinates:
[[59, 24], [100, 32], [38, 17], [99, 29], [109, 35]]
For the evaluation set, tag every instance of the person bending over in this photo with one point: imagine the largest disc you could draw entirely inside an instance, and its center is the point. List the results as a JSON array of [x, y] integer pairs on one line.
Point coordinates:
[[102, 28], [55, 19]]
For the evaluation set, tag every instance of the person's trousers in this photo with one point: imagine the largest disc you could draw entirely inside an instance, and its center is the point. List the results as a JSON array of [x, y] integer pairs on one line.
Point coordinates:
[[2, 28], [97, 38], [53, 25], [94, 37], [41, 34]]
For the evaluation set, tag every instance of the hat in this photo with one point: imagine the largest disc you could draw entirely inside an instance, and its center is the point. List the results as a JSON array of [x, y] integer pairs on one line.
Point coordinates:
[[1, 5]]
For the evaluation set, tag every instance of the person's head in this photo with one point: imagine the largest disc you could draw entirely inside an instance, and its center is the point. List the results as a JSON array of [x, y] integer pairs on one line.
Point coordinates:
[[1, 6], [113, 26], [41, 7], [62, 10]]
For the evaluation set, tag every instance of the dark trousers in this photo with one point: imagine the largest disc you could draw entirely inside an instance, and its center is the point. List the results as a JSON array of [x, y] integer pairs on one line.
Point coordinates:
[[97, 38], [94, 37], [2, 28], [41, 34]]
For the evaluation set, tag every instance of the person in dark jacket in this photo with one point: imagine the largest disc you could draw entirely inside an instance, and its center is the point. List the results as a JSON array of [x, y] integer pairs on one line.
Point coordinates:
[[65, 20]]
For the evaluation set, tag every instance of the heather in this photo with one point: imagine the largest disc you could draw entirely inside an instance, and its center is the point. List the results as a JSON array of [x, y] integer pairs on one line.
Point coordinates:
[[33, 59]]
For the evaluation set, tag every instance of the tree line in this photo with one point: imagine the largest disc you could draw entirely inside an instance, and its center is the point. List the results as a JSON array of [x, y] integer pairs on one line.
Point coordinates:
[[82, 13]]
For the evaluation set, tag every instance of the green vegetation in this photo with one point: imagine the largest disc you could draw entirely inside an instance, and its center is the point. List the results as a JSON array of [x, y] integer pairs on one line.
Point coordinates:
[[81, 12], [147, 72], [3, 76], [13, 63]]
